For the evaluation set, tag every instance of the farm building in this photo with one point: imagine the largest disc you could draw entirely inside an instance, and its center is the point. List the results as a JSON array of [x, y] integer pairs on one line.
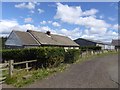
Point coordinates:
[[19, 39], [116, 43], [87, 42]]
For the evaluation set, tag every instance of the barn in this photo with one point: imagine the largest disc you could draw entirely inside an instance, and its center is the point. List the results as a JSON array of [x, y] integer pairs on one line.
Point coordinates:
[[116, 43], [88, 42]]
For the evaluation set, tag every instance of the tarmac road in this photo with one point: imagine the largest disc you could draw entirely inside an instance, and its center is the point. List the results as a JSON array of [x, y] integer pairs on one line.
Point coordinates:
[[102, 72]]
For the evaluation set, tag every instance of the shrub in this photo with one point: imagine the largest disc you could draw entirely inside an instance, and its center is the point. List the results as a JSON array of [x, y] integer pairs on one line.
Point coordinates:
[[89, 48], [46, 56], [72, 55], [11, 54], [19, 55], [50, 57]]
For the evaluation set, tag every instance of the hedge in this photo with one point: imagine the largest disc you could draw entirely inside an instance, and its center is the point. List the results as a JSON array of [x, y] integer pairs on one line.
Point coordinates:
[[72, 55], [89, 48], [50, 57], [19, 55], [46, 56]]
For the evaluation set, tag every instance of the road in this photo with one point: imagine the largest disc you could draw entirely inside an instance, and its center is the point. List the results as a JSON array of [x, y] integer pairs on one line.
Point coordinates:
[[100, 72]]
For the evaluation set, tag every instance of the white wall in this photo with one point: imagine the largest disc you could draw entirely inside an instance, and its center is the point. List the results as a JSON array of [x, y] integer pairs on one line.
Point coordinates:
[[70, 48], [101, 45], [107, 47], [30, 46]]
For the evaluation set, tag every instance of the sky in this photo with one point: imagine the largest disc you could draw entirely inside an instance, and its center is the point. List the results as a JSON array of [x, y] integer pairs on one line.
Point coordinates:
[[90, 20]]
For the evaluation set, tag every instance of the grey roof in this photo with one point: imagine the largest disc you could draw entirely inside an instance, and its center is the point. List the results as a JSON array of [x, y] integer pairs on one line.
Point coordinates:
[[95, 41], [116, 42], [52, 39], [25, 38]]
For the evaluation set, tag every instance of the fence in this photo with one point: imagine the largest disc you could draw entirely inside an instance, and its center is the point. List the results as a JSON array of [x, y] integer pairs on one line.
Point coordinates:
[[12, 64], [3, 68], [10, 67], [87, 53]]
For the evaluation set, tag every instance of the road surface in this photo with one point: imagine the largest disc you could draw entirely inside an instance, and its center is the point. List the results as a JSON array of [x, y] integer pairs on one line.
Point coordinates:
[[101, 72]]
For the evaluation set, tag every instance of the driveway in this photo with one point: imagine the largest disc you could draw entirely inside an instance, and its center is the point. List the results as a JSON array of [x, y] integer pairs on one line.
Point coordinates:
[[100, 72]]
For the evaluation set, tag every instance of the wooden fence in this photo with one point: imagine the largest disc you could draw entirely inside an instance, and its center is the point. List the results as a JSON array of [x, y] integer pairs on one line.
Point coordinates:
[[10, 67], [3, 68], [12, 64]]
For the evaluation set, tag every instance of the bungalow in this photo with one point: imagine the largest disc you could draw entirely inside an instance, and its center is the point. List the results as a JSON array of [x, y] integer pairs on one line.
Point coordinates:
[[29, 39], [116, 43], [87, 42]]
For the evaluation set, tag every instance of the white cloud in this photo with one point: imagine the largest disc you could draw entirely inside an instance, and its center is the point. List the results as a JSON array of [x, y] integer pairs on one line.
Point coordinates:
[[28, 20], [43, 22], [49, 22], [64, 12], [55, 24], [6, 26], [115, 27], [90, 12], [111, 19], [38, 3], [40, 10], [101, 16], [75, 15], [95, 28], [28, 26], [73, 34], [31, 11], [29, 5]]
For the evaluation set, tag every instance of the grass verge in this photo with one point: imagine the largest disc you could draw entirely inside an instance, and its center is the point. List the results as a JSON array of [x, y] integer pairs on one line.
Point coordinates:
[[17, 79], [90, 57]]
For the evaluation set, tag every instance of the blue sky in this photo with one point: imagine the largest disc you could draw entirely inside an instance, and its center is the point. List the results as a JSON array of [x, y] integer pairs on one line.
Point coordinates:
[[93, 20]]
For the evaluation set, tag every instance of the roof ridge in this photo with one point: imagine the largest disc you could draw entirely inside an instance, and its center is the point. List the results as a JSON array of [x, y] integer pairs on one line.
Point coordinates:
[[45, 33]]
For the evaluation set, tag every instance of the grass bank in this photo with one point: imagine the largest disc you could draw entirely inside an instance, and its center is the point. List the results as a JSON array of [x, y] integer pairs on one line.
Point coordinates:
[[90, 57], [17, 79]]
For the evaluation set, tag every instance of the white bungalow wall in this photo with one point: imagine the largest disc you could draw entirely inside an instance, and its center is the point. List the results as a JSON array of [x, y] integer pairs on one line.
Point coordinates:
[[13, 40], [106, 47], [101, 45]]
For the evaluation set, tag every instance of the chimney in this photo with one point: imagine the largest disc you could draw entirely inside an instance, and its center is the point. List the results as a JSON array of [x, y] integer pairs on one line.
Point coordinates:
[[29, 30], [48, 32]]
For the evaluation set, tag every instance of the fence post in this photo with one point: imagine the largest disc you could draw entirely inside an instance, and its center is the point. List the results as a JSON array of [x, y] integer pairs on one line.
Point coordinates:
[[27, 67], [11, 67], [92, 53]]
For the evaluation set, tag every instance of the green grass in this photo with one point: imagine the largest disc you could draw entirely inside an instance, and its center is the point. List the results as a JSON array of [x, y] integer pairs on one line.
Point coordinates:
[[90, 57], [18, 81]]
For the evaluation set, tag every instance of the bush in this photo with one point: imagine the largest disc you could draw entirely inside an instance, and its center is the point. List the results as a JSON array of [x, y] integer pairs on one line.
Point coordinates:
[[19, 55], [50, 57], [89, 48], [46, 56], [11, 54], [72, 55]]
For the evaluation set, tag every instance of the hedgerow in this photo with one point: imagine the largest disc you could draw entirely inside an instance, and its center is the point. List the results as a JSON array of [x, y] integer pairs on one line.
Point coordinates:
[[89, 48], [72, 55], [46, 56]]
